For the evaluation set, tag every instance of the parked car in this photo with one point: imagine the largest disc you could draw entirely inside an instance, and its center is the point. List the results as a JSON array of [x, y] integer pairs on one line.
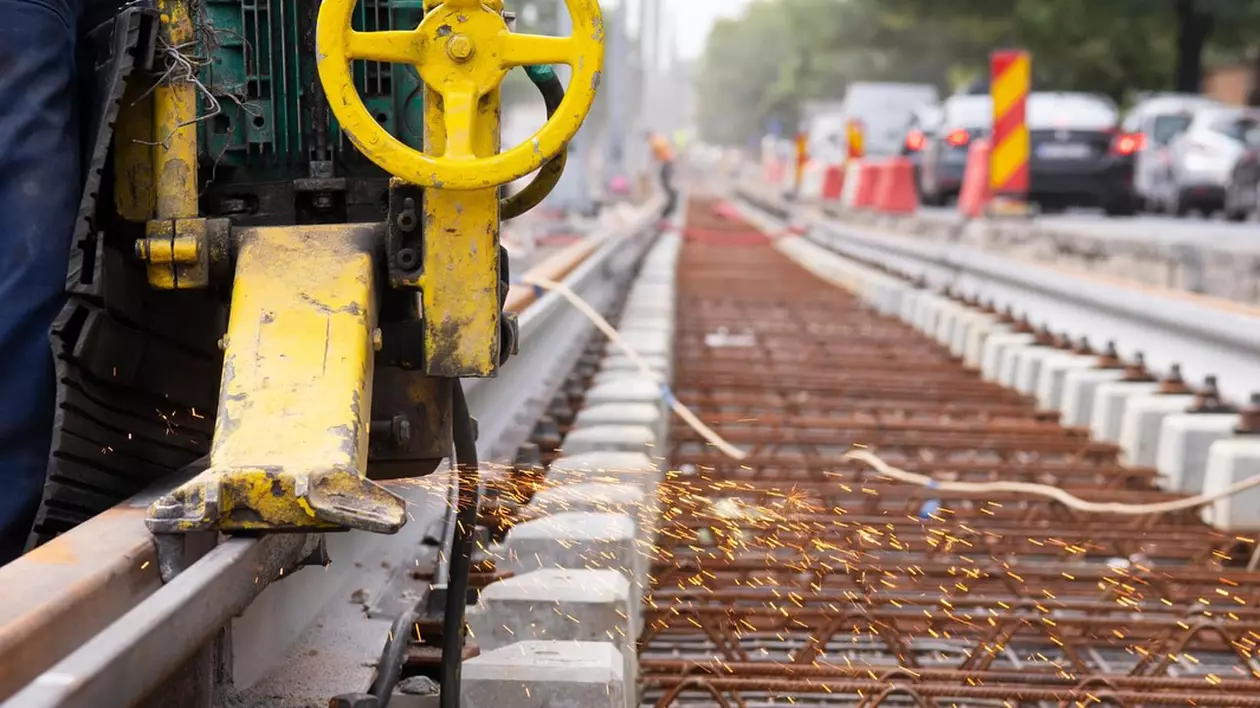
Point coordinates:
[[1157, 120], [924, 125], [1205, 158], [1242, 194], [943, 157], [1078, 156]]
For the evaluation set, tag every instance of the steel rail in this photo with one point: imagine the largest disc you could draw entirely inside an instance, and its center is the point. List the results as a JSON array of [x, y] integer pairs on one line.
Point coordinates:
[[98, 587]]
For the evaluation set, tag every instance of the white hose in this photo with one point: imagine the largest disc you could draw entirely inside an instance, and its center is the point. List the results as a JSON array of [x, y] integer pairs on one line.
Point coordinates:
[[1045, 490]]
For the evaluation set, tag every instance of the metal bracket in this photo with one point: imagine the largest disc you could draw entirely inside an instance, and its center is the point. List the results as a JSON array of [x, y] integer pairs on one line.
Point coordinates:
[[291, 435], [185, 254]]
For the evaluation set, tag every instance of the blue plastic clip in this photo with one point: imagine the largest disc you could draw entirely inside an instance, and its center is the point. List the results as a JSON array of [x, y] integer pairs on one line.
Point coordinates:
[[931, 506], [667, 395]]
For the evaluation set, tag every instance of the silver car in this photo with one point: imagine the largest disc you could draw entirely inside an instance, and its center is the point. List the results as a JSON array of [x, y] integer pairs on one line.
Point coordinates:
[[1157, 120], [1204, 157]]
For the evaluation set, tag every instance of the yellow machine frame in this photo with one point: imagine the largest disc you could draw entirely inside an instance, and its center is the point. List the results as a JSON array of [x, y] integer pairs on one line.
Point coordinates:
[[290, 449]]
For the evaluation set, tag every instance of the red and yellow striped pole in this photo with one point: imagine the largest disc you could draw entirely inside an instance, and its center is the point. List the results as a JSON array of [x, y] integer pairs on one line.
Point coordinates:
[[1011, 80]]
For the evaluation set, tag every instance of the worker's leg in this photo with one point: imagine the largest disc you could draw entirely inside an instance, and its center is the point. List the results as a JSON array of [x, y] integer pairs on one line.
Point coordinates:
[[39, 198], [667, 184]]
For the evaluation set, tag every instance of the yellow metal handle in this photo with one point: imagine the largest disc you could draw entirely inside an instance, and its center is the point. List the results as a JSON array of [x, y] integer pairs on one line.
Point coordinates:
[[462, 50]]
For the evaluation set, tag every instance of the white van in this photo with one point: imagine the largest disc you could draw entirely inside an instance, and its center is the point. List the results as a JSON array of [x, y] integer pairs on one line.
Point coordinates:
[[885, 111]]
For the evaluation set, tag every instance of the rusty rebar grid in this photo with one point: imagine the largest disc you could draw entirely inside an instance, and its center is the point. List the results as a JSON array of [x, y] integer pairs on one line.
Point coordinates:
[[797, 577]]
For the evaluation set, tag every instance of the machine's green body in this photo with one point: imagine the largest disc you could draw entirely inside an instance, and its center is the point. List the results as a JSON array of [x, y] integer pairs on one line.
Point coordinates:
[[272, 126]]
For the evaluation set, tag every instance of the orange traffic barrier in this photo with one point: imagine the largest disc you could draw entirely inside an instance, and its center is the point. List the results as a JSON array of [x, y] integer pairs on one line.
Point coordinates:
[[833, 183], [976, 193], [896, 193], [868, 178]]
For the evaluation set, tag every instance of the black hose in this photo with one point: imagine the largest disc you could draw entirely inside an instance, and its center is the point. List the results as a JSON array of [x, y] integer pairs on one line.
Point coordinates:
[[389, 668], [461, 548], [552, 90]]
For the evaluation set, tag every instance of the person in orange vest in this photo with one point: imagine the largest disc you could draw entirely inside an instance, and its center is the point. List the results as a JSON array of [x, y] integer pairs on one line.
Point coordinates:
[[663, 153]]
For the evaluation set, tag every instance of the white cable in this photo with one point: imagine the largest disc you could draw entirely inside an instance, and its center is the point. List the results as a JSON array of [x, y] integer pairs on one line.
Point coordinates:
[[615, 337], [1045, 490]]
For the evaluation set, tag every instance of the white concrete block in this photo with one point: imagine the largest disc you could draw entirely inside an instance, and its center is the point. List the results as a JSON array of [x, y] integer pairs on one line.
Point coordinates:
[[972, 321], [888, 295], [921, 300], [909, 304], [645, 342], [656, 322], [977, 335], [1008, 366], [600, 497], [1054, 370], [611, 438], [653, 293], [647, 305], [929, 309], [1231, 462], [1077, 404], [605, 377], [1110, 400], [635, 390], [576, 540], [663, 303], [1183, 448], [547, 674], [556, 604], [994, 353], [658, 363], [1142, 424], [948, 315], [1028, 367], [644, 414], [613, 467], [581, 540]]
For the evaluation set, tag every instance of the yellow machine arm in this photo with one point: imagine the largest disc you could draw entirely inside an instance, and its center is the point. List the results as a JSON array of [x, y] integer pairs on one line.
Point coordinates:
[[320, 312]]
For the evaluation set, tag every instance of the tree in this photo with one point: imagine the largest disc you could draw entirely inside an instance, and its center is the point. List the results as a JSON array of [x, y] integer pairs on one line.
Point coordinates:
[[764, 66], [784, 53]]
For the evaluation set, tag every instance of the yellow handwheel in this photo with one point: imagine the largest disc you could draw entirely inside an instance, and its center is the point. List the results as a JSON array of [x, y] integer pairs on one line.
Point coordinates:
[[462, 50]]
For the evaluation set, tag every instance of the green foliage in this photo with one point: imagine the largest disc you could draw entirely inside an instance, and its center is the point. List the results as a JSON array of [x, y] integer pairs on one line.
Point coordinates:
[[784, 53]]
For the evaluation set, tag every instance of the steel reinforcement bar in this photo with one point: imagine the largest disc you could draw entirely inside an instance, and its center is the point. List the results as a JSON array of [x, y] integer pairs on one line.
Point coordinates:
[[797, 577]]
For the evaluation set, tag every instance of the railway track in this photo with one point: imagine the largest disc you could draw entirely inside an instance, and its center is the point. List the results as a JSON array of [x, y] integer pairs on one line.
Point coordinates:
[[797, 577]]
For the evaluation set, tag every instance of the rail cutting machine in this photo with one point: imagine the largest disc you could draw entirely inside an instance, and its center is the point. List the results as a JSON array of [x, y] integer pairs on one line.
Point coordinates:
[[289, 252]]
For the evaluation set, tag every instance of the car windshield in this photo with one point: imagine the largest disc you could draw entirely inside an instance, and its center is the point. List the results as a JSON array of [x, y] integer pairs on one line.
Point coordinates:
[[1058, 111], [1167, 127]]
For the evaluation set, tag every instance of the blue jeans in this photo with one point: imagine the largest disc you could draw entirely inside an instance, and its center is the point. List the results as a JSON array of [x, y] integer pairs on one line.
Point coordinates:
[[40, 188]]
